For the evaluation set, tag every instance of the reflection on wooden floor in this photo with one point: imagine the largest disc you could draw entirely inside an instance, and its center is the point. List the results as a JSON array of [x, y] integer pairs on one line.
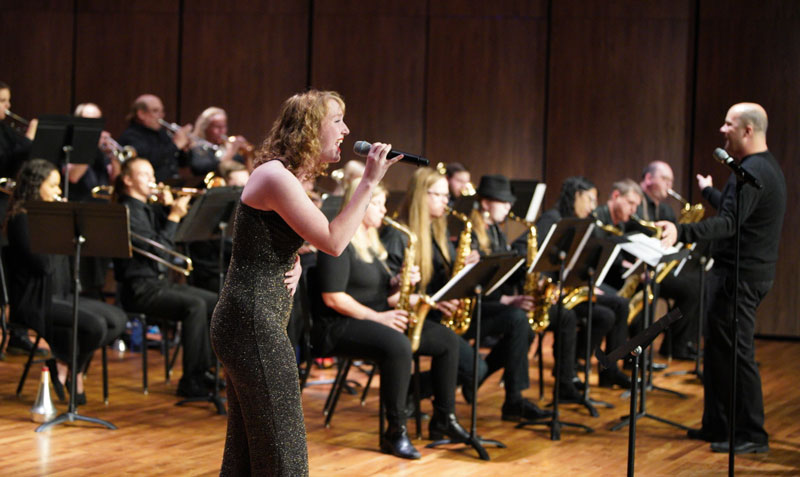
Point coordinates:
[[157, 438]]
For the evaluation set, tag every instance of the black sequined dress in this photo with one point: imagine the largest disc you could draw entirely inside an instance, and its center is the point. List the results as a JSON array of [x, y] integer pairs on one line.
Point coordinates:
[[266, 431]]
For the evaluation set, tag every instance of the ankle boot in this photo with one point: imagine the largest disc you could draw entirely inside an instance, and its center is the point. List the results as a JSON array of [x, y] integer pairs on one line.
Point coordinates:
[[446, 424], [396, 442]]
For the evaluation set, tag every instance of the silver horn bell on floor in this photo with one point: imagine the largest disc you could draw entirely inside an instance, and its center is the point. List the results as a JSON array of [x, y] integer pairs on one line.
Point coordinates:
[[43, 409]]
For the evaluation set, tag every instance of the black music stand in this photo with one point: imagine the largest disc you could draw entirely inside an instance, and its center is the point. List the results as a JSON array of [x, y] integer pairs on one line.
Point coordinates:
[[565, 239], [650, 256], [91, 229], [634, 347], [64, 140], [472, 280], [207, 220], [597, 254]]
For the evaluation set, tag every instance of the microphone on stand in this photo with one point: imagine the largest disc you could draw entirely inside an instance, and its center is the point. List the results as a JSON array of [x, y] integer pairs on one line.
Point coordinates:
[[362, 149], [722, 156]]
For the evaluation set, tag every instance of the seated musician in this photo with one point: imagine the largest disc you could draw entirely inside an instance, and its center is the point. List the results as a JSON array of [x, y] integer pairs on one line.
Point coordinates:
[[656, 183], [103, 170], [166, 150], [494, 203], [424, 212], [40, 286], [357, 320], [212, 127], [143, 286], [578, 198]]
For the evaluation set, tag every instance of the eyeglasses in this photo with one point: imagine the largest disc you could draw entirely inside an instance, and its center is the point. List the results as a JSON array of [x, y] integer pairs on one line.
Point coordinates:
[[440, 195]]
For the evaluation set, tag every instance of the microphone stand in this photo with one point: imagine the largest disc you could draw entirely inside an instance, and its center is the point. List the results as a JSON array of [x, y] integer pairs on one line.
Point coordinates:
[[740, 182]]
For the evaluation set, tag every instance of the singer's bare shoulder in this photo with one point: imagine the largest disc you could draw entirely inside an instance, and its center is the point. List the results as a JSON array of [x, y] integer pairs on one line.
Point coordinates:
[[269, 182]]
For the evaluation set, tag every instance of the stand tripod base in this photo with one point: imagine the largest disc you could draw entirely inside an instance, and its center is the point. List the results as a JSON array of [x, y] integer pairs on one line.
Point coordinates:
[[555, 426], [626, 420], [218, 401], [474, 441], [70, 416]]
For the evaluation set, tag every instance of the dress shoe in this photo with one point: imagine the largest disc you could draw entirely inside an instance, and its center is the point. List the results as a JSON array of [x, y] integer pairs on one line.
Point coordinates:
[[447, 425], [579, 385], [20, 344], [740, 448], [613, 376], [191, 388], [699, 435], [569, 393], [523, 410], [396, 442]]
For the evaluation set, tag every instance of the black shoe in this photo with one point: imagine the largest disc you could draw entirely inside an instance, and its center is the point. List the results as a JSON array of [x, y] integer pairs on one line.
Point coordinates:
[[80, 399], [208, 381], [447, 425], [740, 448], [700, 435], [411, 410], [524, 410], [58, 386], [396, 442], [191, 388], [577, 383], [568, 393], [613, 376], [21, 344]]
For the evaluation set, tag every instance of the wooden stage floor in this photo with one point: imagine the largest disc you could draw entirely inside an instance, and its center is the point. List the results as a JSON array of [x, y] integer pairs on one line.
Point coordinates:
[[157, 438]]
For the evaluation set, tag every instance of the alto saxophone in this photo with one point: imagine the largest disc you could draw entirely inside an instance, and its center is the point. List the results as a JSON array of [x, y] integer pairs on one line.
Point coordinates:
[[542, 289], [460, 320], [416, 317], [689, 214]]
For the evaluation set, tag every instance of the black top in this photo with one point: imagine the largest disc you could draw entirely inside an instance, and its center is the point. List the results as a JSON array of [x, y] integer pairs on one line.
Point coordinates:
[[157, 147], [14, 150], [648, 210], [396, 242], [367, 283], [96, 175], [149, 221], [761, 220], [33, 278]]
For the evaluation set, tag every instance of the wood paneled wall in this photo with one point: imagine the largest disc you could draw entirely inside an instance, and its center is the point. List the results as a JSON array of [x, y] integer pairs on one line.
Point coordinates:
[[531, 89]]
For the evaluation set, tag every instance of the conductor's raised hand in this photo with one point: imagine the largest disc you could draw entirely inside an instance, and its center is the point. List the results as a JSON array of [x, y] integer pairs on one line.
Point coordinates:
[[377, 162]]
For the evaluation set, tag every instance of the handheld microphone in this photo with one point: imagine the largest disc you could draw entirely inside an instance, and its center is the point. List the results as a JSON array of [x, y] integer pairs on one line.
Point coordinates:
[[722, 156], [362, 149]]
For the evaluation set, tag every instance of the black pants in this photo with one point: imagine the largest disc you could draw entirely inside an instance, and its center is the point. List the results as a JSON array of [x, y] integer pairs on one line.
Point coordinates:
[[566, 341], [718, 349], [391, 351], [169, 301], [609, 320], [685, 291], [509, 354], [98, 325]]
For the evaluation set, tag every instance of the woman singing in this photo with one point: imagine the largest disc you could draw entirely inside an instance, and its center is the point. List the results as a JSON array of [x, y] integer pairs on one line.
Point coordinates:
[[266, 432], [357, 322]]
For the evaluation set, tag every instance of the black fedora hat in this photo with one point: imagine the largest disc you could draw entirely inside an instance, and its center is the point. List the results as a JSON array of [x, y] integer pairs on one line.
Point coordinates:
[[496, 187]]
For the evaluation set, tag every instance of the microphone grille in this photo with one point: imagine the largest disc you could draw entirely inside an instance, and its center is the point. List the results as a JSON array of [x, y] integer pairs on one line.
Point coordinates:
[[362, 148], [721, 154]]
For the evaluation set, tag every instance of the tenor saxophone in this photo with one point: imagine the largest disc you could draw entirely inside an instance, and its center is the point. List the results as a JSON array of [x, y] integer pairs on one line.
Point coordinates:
[[460, 320], [416, 317], [542, 289]]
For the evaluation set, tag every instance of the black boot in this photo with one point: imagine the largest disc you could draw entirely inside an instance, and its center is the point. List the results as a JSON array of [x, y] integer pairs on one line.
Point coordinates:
[[396, 442], [443, 424]]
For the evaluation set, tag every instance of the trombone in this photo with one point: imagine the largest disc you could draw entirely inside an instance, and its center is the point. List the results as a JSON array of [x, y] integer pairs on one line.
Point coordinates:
[[105, 192]]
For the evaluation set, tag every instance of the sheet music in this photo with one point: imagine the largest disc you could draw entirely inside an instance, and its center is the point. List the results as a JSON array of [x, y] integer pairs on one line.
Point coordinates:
[[447, 286], [609, 263], [506, 276], [536, 202], [542, 248], [646, 248], [578, 251]]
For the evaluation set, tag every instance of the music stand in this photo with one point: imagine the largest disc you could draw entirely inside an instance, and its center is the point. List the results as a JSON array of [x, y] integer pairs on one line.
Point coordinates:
[[208, 220], [472, 280], [597, 254], [565, 239], [634, 348], [529, 194], [652, 254], [65, 139], [91, 229]]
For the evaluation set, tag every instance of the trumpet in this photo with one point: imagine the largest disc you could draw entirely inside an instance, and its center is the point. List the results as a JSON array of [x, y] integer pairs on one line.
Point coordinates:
[[159, 188], [122, 153], [197, 140]]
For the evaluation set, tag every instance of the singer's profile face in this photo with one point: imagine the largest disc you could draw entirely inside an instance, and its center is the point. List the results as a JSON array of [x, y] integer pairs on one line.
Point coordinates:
[[51, 187], [332, 132], [733, 132]]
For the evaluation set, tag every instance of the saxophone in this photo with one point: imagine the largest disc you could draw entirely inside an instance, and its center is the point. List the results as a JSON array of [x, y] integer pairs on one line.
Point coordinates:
[[460, 320], [542, 289], [689, 214], [416, 317]]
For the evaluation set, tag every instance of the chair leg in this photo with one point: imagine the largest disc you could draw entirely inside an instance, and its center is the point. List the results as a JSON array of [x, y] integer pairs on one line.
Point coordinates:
[[105, 376], [336, 391], [417, 399], [28, 365], [143, 321], [165, 351], [541, 365]]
